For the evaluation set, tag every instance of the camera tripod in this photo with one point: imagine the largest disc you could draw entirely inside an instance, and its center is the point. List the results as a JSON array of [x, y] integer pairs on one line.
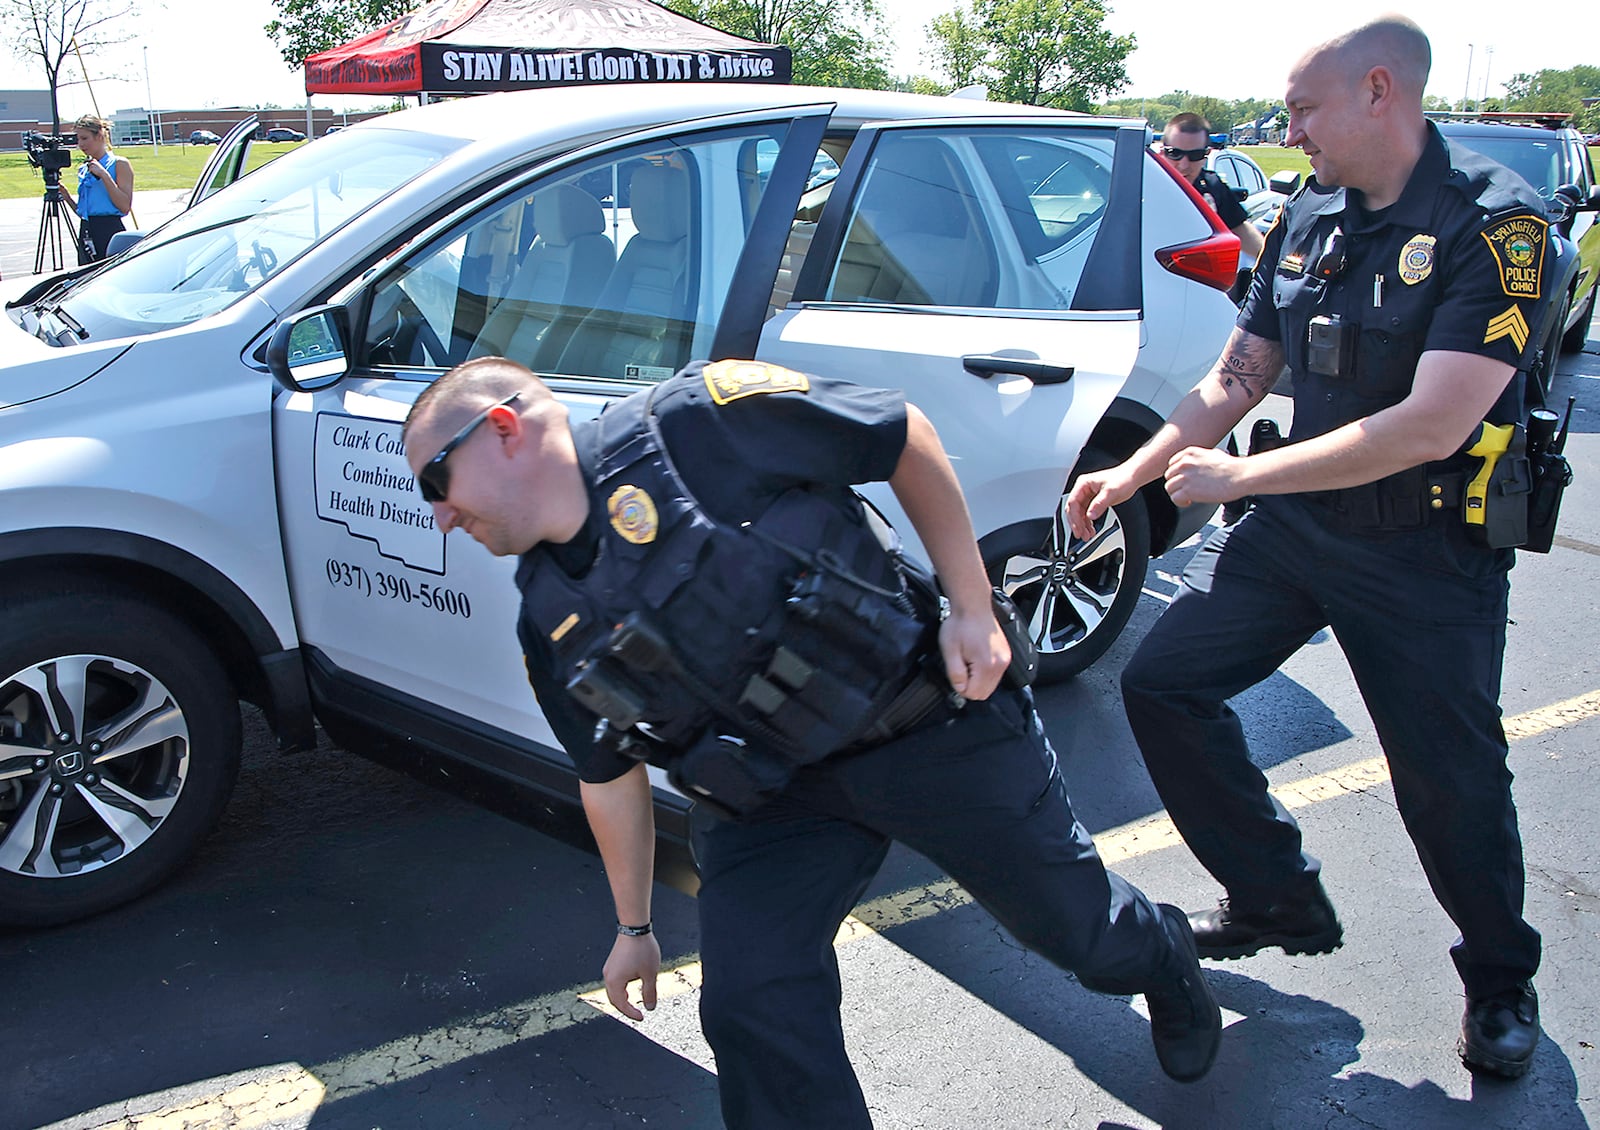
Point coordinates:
[[54, 213]]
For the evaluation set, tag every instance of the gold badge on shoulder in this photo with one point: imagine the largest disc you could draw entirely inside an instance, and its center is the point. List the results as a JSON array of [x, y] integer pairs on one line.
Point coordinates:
[[1416, 259], [728, 381], [633, 515], [1518, 246]]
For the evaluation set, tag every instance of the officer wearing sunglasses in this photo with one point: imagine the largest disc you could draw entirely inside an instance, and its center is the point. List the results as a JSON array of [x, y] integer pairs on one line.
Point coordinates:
[[1185, 142], [702, 592]]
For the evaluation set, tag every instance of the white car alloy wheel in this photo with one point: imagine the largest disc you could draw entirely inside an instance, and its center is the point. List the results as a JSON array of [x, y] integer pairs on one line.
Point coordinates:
[[1076, 595], [118, 747]]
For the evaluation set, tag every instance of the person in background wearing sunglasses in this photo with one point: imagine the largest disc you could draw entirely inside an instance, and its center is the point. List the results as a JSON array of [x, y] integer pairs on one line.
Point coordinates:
[[1185, 142], [702, 591], [1401, 286]]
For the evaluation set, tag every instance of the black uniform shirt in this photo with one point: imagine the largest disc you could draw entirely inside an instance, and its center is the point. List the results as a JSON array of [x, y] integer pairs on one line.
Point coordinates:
[[1459, 262], [736, 448], [1217, 193]]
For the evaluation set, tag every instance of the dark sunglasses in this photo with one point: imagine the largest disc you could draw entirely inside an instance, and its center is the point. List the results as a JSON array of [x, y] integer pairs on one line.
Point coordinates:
[[1174, 154], [434, 478]]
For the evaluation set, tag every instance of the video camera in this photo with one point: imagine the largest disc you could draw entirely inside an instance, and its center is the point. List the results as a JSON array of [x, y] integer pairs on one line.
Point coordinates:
[[49, 153]]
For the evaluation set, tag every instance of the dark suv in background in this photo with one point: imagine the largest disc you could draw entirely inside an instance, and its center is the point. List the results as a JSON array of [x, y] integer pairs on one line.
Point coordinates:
[[1550, 155]]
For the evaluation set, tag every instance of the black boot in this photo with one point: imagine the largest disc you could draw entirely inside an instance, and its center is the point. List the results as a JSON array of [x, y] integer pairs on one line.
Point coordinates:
[[1304, 924], [1499, 1033], [1185, 1022]]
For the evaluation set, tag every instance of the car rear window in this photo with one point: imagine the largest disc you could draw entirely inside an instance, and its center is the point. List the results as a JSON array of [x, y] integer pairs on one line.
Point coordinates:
[[979, 217]]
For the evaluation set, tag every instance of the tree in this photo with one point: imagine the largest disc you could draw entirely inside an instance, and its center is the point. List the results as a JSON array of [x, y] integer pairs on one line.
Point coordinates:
[[958, 47], [304, 27], [1561, 92], [50, 30], [835, 42], [1037, 52]]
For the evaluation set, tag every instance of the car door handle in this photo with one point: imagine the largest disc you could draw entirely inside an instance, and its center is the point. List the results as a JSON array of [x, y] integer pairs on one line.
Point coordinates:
[[1039, 372]]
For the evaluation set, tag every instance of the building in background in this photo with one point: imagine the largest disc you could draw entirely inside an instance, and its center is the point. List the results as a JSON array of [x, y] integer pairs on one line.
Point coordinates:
[[24, 111]]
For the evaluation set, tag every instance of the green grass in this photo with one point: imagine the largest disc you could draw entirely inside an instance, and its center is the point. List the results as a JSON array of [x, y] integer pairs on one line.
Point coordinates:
[[1275, 158], [176, 166], [1272, 158]]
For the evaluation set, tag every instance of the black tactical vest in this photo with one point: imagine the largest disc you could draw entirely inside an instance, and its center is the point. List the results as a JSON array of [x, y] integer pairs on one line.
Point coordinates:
[[729, 654]]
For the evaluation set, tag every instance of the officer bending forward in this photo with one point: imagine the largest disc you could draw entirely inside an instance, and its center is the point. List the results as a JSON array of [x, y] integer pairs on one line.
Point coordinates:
[[696, 576]]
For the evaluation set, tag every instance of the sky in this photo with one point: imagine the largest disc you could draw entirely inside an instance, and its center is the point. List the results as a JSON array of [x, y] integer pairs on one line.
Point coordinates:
[[215, 53]]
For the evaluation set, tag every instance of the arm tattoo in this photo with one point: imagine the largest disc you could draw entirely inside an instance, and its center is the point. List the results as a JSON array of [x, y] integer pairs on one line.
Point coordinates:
[[1250, 363]]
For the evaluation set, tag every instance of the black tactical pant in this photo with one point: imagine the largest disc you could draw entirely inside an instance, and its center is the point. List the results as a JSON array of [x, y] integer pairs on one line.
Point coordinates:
[[1421, 617], [981, 797]]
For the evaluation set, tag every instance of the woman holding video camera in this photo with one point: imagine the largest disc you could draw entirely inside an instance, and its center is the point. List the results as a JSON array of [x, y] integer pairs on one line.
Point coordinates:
[[105, 189]]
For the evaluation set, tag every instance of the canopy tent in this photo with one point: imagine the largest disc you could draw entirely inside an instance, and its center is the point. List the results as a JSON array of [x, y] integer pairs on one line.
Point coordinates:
[[475, 46]]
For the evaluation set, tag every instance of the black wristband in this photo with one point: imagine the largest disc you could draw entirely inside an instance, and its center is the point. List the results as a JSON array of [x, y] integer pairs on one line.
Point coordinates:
[[634, 931]]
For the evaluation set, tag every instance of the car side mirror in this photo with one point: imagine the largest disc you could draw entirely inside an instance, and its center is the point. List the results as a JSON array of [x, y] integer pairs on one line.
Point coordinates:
[[1285, 181], [308, 351], [1241, 194], [121, 241]]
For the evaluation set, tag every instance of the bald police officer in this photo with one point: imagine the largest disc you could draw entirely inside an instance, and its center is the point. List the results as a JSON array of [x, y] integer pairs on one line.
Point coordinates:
[[1399, 286], [701, 591]]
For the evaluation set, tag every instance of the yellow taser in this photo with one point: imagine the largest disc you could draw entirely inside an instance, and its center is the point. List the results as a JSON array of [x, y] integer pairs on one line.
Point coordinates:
[[1492, 442]]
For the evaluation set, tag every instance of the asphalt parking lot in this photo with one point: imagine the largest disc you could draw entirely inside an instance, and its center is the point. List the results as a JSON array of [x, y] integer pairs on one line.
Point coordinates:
[[23, 220], [356, 948]]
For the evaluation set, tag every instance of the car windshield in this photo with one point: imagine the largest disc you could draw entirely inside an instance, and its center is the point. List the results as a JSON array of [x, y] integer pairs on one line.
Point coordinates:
[[223, 248], [1535, 159]]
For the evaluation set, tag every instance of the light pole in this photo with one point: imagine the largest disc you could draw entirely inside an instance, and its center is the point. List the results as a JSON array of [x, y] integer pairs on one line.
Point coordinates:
[[1466, 87], [155, 120], [1488, 64]]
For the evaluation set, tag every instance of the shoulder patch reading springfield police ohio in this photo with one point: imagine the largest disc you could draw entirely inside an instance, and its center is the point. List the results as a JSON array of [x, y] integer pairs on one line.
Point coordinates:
[[728, 381], [1518, 246]]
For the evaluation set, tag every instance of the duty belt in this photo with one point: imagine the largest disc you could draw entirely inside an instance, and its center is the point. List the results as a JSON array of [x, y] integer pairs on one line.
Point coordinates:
[[1408, 500], [926, 697]]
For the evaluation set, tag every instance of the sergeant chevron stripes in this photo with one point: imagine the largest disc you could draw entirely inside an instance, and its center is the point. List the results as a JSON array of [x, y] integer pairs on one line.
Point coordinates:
[[1510, 324]]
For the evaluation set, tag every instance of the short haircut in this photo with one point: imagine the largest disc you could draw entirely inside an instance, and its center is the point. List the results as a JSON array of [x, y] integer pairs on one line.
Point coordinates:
[[1391, 41], [1188, 122], [471, 387]]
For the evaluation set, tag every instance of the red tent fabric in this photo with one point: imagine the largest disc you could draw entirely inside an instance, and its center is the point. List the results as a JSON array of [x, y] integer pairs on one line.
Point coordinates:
[[474, 46]]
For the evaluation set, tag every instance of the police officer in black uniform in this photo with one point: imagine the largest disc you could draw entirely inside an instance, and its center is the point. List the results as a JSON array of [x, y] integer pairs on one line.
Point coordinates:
[[1186, 141], [702, 591], [1399, 287]]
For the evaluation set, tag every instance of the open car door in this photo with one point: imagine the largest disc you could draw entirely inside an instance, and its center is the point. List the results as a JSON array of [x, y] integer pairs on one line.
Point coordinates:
[[227, 163]]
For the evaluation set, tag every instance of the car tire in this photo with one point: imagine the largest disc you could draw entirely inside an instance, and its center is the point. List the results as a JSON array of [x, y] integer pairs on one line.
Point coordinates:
[[1075, 598], [1572, 341], [84, 827], [1542, 375]]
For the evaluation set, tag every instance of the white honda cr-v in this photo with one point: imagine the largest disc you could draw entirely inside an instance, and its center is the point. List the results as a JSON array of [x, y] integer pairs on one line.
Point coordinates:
[[189, 518]]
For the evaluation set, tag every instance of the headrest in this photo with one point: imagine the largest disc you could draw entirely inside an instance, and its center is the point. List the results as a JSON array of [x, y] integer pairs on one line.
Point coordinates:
[[659, 196], [563, 212]]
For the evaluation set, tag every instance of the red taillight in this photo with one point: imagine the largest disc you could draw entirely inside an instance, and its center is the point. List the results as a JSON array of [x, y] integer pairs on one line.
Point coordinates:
[[1214, 259]]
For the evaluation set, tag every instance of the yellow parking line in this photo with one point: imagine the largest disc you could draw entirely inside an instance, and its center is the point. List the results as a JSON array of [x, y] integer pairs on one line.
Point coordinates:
[[297, 1091]]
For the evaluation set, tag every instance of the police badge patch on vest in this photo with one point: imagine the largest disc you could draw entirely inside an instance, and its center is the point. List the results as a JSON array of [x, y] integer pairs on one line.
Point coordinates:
[[1518, 246], [633, 515], [728, 381], [1416, 259]]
